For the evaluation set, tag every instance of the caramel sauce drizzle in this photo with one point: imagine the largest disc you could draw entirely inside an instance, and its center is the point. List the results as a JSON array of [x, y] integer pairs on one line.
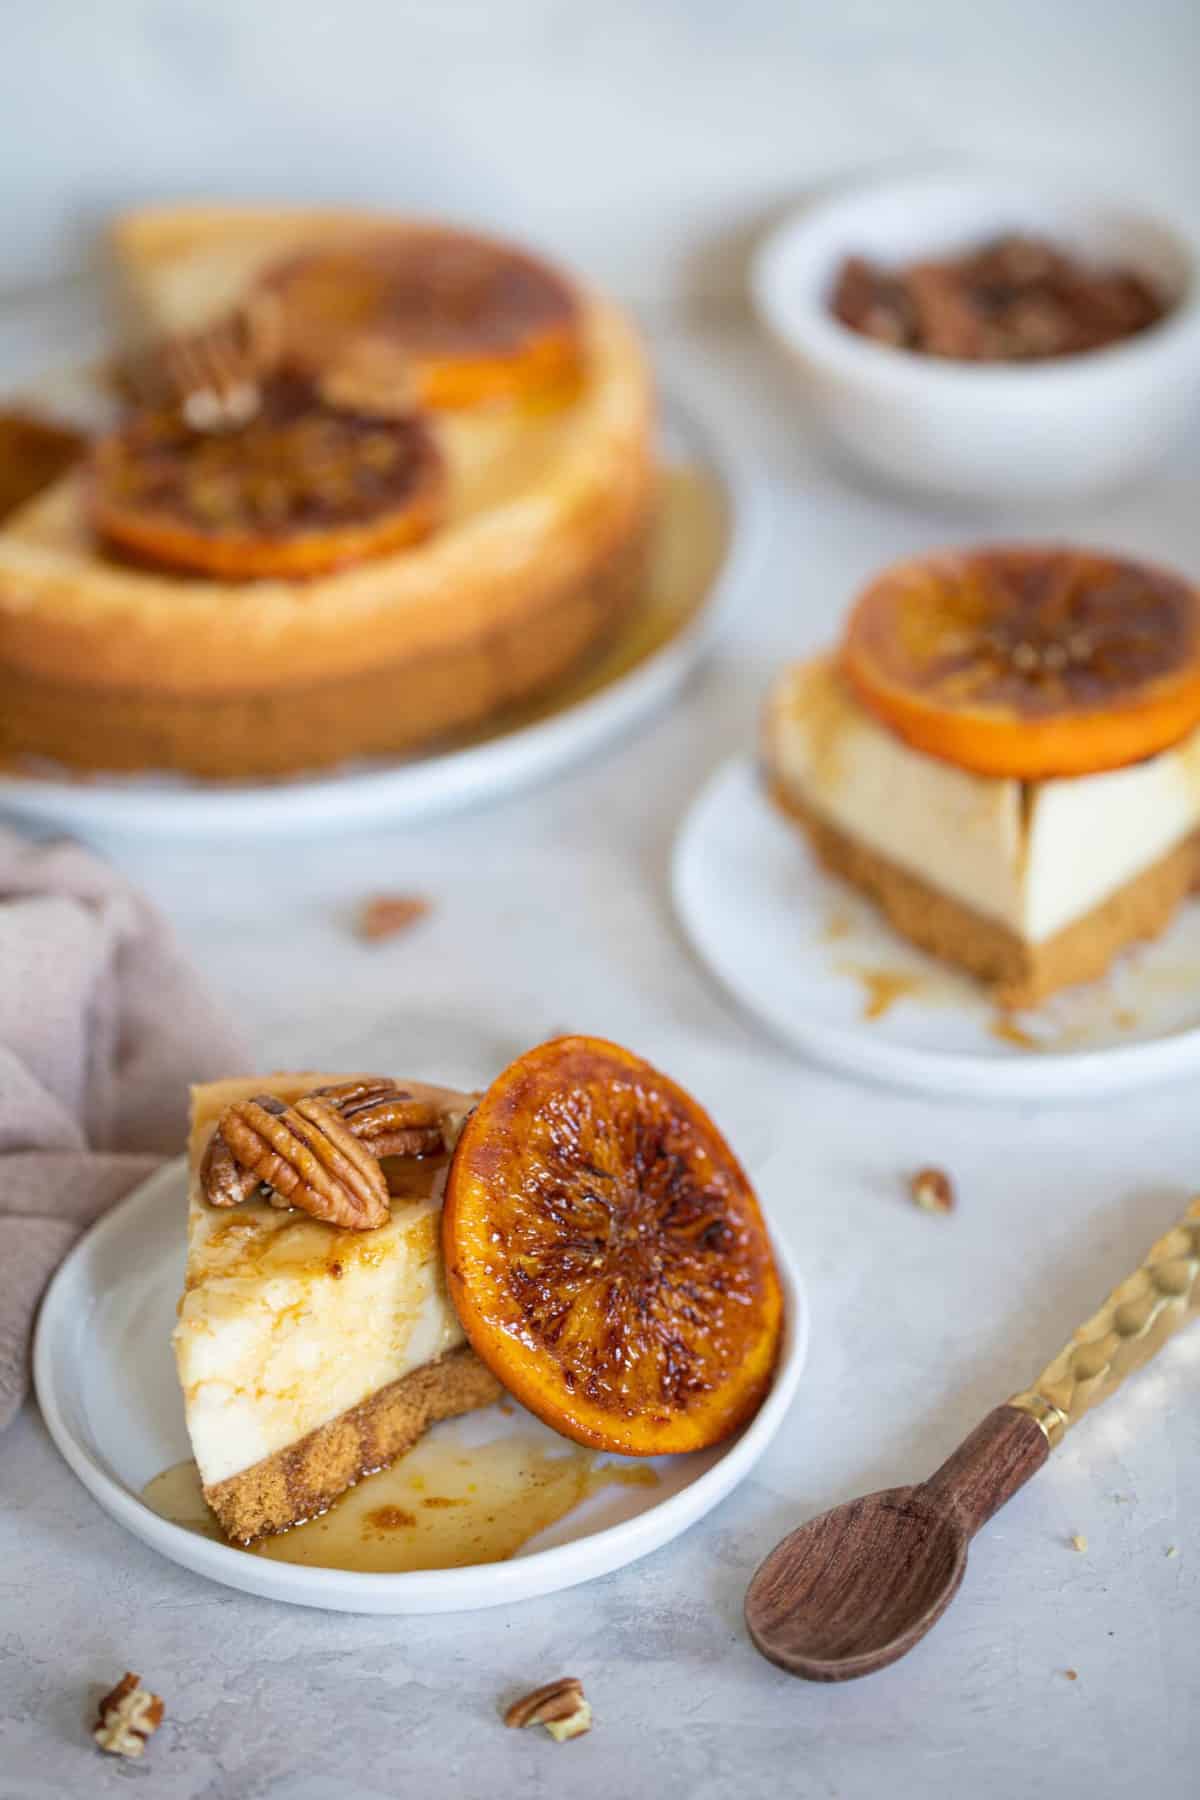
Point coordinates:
[[443, 1506]]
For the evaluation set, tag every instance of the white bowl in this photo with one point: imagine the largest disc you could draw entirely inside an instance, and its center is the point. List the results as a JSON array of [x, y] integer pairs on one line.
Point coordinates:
[[985, 431]]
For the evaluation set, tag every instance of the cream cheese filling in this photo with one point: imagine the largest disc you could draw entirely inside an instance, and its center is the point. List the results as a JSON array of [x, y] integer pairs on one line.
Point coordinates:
[[1034, 856]]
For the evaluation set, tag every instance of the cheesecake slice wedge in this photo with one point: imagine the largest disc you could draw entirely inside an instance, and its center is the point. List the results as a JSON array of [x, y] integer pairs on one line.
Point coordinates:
[[310, 1354], [1003, 753], [1030, 886]]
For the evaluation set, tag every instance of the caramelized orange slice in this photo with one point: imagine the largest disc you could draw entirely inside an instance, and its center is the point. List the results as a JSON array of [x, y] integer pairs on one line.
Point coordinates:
[[1029, 662], [448, 318], [607, 1256], [302, 488]]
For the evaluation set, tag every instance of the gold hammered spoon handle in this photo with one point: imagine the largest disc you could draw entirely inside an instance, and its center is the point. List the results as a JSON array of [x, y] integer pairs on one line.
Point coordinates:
[[1011, 1444], [855, 1588], [1132, 1326]]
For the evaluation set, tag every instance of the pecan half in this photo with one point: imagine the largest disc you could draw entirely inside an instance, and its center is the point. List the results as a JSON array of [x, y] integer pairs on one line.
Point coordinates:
[[308, 1156], [222, 1178], [560, 1706], [387, 1117], [370, 375], [128, 1716], [213, 377], [386, 915], [932, 1190]]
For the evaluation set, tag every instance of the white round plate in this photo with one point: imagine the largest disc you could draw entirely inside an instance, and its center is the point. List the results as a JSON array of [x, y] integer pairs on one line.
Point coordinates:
[[593, 711], [105, 1380], [809, 957]]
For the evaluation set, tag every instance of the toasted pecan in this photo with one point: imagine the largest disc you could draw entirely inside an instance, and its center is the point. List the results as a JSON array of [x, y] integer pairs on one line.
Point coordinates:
[[387, 1117], [308, 1157], [558, 1705], [127, 1717]]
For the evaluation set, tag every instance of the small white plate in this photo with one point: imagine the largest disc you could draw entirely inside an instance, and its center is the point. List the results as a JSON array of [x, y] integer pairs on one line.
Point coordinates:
[[105, 1380], [601, 703], [810, 957]]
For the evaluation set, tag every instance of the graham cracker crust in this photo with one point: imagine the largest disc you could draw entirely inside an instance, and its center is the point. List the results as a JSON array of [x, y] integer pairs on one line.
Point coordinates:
[[304, 1479], [1019, 974]]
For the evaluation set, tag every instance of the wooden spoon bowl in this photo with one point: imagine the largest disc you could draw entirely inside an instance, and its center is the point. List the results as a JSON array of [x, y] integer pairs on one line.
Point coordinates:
[[854, 1589]]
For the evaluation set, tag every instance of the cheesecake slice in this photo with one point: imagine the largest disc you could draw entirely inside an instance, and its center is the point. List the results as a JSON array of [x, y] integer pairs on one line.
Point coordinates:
[[1030, 885], [311, 1354]]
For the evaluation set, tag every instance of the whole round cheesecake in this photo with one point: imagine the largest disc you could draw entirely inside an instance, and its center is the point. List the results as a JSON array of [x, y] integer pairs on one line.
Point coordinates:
[[437, 504]]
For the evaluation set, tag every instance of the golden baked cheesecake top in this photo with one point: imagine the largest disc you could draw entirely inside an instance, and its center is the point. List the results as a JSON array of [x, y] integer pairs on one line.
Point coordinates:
[[476, 439]]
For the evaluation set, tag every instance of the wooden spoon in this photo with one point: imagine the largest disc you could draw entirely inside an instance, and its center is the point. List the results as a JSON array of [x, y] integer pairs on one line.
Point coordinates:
[[854, 1589]]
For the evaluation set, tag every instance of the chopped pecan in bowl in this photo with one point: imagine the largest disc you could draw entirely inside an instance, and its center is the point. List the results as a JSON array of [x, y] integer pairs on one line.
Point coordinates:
[[1014, 299]]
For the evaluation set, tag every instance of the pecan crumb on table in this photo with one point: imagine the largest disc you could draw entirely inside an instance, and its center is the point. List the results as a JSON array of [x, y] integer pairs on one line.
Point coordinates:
[[128, 1716], [1016, 299], [386, 915], [932, 1190], [560, 1706]]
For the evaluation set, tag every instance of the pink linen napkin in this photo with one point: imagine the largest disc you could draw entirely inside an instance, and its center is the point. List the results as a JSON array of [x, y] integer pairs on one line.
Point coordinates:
[[102, 1027]]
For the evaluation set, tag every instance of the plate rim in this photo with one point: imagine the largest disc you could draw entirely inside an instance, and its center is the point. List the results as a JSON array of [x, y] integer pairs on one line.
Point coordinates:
[[450, 780], [1047, 1077], [416, 1591]]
